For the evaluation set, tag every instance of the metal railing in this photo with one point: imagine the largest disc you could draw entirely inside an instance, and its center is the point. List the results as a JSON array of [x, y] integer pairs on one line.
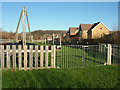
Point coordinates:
[[115, 55], [74, 56]]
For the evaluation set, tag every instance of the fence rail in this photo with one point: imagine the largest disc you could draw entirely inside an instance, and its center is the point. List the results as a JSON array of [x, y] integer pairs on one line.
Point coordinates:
[[27, 58]]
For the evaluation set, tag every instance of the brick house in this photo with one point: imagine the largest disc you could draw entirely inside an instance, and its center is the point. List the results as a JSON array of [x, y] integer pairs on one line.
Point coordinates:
[[87, 31], [83, 29], [97, 31]]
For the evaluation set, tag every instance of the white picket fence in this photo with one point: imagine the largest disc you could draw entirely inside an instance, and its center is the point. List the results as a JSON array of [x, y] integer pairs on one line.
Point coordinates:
[[11, 60]]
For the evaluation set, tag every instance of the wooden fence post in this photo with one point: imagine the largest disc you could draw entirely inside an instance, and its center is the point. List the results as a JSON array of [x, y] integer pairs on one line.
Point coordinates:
[[31, 57], [52, 57], [25, 57], [2, 57], [19, 57], [46, 56], [41, 57], [45, 40], [36, 56], [109, 53], [14, 56], [8, 56]]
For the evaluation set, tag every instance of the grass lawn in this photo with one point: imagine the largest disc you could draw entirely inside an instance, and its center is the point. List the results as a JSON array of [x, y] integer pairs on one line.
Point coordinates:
[[89, 77]]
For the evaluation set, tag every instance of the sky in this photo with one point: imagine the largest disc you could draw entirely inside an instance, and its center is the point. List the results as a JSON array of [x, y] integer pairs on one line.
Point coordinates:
[[59, 15]]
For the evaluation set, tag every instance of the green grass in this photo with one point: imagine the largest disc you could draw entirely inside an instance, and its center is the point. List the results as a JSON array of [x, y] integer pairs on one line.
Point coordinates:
[[89, 77]]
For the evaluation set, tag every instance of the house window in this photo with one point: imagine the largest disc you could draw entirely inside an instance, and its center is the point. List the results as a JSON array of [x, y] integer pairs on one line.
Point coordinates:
[[100, 28]]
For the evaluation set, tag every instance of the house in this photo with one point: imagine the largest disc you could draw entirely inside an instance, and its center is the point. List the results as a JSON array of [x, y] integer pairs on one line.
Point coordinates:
[[73, 33], [93, 31], [83, 29], [87, 31], [97, 31], [49, 38]]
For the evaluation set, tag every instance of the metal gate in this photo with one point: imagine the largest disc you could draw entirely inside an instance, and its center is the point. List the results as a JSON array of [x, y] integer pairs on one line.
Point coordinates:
[[75, 56], [115, 54]]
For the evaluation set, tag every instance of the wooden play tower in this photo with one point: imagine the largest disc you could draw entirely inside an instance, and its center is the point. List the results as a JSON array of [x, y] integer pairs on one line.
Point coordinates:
[[24, 16]]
